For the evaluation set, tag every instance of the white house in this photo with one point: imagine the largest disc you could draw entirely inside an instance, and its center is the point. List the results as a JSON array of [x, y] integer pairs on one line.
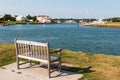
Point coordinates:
[[98, 22], [70, 21], [19, 18], [43, 19], [1, 16]]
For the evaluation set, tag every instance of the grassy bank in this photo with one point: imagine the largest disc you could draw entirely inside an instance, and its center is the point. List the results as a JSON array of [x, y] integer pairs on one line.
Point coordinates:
[[22, 22], [17, 22], [92, 66], [7, 53], [108, 24]]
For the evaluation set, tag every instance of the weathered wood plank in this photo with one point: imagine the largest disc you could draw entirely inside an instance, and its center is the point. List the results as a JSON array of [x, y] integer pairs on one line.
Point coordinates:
[[31, 42], [35, 59]]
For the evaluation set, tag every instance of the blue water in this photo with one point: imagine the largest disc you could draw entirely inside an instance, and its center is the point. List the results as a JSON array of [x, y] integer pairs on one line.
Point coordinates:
[[67, 36]]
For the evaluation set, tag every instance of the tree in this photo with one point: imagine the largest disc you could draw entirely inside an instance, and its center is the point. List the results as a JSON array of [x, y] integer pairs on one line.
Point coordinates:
[[34, 18], [114, 19], [29, 17], [8, 17]]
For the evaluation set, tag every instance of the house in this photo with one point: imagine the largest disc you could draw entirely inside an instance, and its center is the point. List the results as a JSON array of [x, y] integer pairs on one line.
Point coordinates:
[[1, 16], [44, 19], [58, 21], [30, 20], [98, 22], [19, 18], [70, 21]]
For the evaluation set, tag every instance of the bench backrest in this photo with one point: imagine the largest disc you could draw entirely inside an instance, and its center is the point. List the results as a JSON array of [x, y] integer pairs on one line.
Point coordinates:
[[37, 49]]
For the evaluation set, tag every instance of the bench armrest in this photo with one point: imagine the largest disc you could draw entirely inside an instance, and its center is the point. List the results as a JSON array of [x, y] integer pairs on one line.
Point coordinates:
[[55, 51]]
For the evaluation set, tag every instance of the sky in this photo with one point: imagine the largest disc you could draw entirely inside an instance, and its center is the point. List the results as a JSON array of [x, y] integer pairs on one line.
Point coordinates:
[[62, 8]]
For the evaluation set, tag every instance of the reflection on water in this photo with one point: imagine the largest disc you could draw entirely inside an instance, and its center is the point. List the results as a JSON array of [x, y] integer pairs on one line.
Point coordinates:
[[67, 36]]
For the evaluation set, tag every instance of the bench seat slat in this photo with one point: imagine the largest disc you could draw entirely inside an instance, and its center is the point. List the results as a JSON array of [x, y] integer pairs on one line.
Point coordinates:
[[39, 58], [32, 58]]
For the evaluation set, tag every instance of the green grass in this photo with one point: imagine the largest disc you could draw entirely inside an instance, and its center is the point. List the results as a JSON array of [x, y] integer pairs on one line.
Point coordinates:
[[7, 53], [113, 23], [92, 66], [18, 22]]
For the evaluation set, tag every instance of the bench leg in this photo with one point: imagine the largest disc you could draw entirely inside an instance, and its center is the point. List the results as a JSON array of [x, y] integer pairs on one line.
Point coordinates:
[[59, 65], [17, 60], [49, 70], [30, 63]]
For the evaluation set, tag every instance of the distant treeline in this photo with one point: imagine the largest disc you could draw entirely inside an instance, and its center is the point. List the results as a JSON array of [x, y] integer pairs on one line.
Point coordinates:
[[76, 20], [9, 17], [115, 19]]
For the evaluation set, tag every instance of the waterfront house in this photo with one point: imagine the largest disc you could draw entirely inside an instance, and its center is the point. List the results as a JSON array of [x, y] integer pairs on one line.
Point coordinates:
[[98, 22], [19, 18], [44, 19], [30, 20], [70, 21], [1, 16], [58, 21]]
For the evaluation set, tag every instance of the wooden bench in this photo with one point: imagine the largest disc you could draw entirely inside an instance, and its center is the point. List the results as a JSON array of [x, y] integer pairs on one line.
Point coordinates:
[[36, 51]]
